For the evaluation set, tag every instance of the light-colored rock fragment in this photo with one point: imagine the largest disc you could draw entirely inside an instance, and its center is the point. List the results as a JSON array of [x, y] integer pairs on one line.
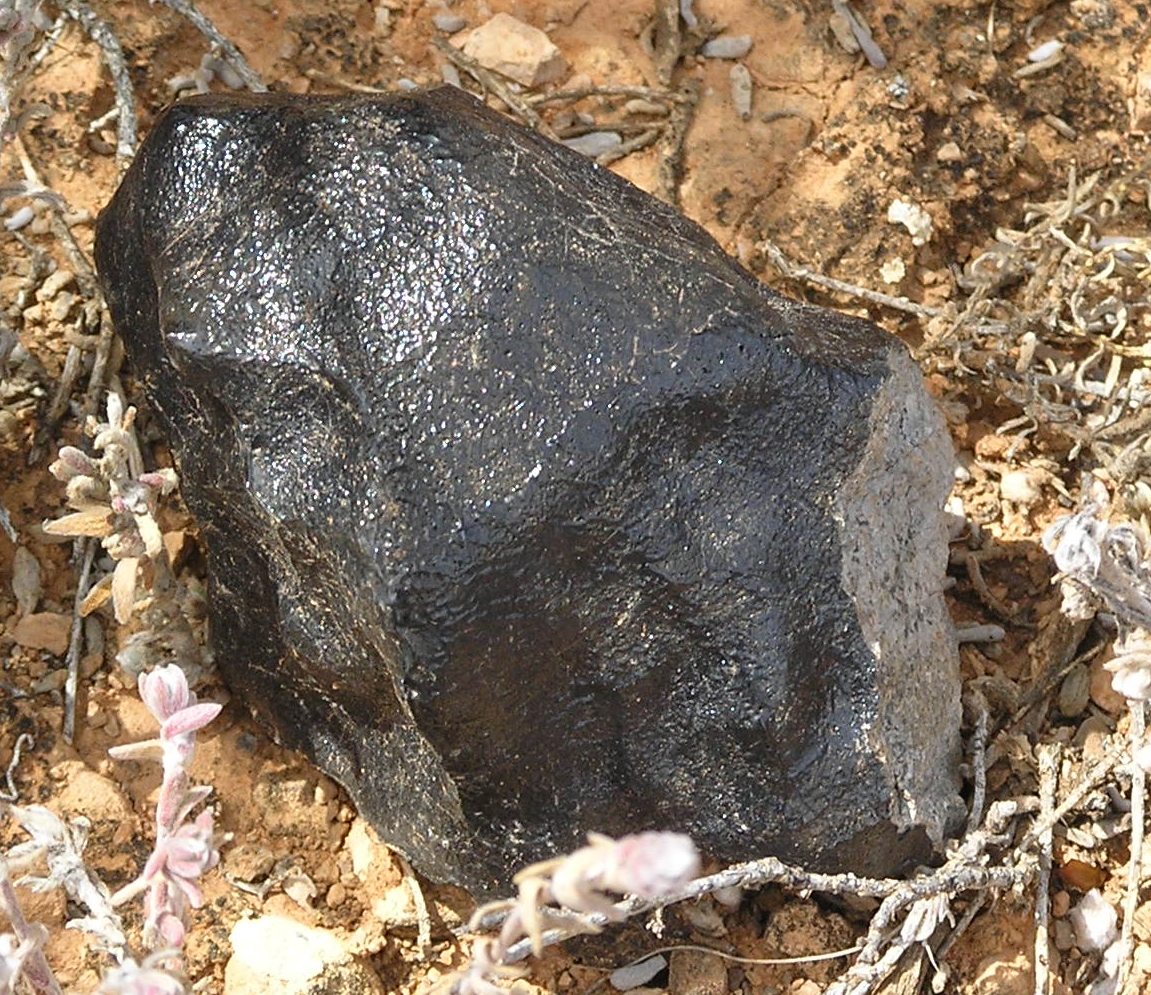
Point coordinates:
[[893, 271], [273, 955], [91, 795], [55, 282], [727, 47], [641, 106], [914, 218], [1095, 922], [26, 580], [449, 23], [949, 152], [1020, 487], [44, 631], [516, 50], [741, 90]]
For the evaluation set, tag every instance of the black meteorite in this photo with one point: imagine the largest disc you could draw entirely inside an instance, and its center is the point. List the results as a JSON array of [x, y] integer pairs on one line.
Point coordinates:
[[529, 511]]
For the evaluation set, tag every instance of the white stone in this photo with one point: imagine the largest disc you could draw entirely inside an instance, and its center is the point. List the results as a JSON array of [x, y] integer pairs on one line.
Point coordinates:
[[914, 218], [274, 955], [516, 50], [1095, 922], [893, 271]]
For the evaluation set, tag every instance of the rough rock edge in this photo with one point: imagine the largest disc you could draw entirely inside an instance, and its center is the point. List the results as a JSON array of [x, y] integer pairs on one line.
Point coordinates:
[[891, 526]]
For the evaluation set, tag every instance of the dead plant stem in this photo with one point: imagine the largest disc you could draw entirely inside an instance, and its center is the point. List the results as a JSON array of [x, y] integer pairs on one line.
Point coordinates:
[[1134, 865]]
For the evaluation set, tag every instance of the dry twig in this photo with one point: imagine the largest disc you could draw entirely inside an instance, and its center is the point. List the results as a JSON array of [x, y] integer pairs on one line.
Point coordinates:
[[794, 271], [99, 31], [1048, 764], [1135, 862]]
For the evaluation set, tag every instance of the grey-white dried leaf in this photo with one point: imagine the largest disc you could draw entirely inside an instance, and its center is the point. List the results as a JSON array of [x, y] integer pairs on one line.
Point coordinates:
[[631, 976], [872, 51], [595, 143], [1131, 668], [1107, 560], [923, 917]]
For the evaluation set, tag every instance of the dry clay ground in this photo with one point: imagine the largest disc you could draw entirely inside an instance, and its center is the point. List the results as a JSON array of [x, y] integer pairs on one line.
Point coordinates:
[[1030, 318]]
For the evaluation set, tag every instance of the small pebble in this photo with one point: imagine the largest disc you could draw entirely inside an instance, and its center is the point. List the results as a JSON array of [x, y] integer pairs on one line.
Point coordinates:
[[595, 143], [631, 976], [1095, 922], [112, 726], [54, 283], [51, 681], [336, 896], [1075, 691], [949, 152], [406, 84], [516, 50], [893, 271], [449, 23], [1063, 935], [62, 305], [741, 90], [249, 861], [1060, 904], [450, 75], [914, 218], [44, 631], [1020, 487], [100, 145], [1103, 691], [727, 47]]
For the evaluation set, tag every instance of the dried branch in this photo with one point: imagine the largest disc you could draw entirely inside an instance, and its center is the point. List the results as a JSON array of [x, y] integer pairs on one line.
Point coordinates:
[[100, 32]]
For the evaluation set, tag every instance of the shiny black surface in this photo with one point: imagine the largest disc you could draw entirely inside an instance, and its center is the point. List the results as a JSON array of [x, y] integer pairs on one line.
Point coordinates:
[[517, 490]]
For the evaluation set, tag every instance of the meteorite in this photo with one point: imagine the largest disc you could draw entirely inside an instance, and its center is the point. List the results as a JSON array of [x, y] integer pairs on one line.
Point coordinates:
[[528, 510]]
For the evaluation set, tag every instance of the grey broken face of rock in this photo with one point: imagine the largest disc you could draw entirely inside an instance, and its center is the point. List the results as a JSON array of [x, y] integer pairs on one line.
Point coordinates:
[[528, 511]]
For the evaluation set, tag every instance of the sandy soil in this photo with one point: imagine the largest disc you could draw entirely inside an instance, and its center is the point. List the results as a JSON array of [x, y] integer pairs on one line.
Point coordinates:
[[960, 124]]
